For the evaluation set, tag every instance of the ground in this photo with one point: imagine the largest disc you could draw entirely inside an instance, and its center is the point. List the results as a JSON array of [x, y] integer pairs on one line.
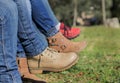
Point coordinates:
[[98, 63]]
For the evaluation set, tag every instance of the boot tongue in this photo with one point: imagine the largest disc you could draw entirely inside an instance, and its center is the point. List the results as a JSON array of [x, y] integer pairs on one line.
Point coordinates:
[[48, 50]]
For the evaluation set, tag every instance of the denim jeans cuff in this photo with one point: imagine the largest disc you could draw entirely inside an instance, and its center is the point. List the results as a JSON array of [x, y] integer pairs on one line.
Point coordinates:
[[53, 30], [52, 33], [21, 55]]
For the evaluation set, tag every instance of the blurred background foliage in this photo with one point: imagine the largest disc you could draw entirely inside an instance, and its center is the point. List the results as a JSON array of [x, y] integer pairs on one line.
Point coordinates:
[[64, 9]]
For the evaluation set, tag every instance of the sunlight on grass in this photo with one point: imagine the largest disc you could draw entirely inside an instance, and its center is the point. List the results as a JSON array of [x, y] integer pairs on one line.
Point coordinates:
[[98, 63]]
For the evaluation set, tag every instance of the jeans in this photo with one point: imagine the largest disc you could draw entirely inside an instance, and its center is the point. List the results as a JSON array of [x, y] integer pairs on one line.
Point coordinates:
[[20, 50], [28, 6], [32, 40], [44, 17], [8, 42], [15, 21]]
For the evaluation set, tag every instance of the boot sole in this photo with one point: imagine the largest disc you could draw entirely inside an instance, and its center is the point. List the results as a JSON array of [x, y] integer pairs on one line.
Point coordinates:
[[40, 70]]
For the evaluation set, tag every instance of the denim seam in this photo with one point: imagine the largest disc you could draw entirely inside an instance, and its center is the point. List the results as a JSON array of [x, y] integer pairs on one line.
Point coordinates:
[[4, 53], [2, 25], [4, 19]]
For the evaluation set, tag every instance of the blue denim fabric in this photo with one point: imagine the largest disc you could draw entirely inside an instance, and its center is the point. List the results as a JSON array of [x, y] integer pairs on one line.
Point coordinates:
[[20, 50], [44, 17], [32, 40], [8, 42], [28, 6]]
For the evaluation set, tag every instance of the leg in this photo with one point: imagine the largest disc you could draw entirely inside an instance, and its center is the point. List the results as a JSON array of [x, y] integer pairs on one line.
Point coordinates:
[[35, 45], [30, 39], [23, 66], [44, 17], [41, 10], [8, 39], [33, 41]]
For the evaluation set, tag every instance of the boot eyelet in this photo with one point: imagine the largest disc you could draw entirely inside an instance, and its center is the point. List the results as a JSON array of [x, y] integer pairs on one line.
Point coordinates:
[[63, 47], [54, 40]]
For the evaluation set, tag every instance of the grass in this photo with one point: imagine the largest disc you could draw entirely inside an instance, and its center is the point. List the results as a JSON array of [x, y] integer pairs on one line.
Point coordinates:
[[98, 63]]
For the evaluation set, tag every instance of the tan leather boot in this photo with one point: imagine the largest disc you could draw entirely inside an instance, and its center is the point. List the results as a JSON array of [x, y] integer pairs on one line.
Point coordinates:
[[25, 74], [62, 44], [51, 60]]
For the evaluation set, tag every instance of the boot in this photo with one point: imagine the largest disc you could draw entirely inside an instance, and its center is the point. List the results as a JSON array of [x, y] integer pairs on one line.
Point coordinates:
[[25, 74], [51, 60], [62, 44]]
